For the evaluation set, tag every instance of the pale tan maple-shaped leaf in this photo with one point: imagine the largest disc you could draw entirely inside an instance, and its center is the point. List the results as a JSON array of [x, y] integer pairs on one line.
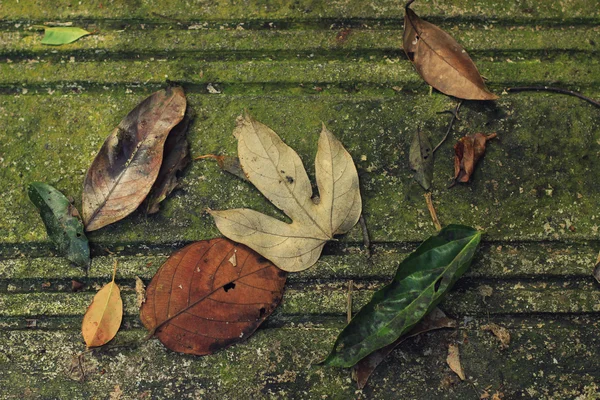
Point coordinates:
[[277, 171]]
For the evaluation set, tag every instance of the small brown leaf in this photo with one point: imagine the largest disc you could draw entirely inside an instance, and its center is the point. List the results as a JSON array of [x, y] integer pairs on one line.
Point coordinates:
[[103, 317], [453, 361], [441, 61], [467, 153], [140, 291], [432, 321], [76, 286], [200, 302], [500, 332], [176, 158], [128, 163], [228, 164]]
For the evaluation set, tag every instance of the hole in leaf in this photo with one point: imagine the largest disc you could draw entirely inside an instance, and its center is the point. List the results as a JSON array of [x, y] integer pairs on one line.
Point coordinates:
[[229, 286], [262, 311], [79, 235], [438, 284]]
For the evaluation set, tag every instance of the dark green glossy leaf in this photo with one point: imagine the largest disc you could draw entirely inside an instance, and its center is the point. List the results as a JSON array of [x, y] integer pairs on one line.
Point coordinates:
[[58, 35], [62, 221], [421, 159], [420, 283]]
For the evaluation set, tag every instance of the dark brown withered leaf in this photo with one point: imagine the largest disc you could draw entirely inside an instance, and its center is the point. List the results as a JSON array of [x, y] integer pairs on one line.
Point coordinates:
[[128, 163], [467, 153], [441, 61], [228, 164], [421, 159], [176, 158], [210, 295], [432, 321]]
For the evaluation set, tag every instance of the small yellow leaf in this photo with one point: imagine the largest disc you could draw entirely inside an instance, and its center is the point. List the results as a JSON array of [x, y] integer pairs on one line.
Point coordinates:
[[103, 317]]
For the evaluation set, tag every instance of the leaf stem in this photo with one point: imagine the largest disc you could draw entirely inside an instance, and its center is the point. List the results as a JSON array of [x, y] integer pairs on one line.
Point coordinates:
[[555, 90], [431, 208], [408, 4], [115, 269], [454, 118]]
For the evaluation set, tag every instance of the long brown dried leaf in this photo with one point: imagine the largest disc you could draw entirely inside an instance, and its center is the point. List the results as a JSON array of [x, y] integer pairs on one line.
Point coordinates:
[[210, 295], [441, 61], [128, 163], [176, 158]]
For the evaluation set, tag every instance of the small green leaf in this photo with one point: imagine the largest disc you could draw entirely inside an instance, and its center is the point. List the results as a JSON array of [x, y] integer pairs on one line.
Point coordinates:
[[62, 222], [57, 35], [421, 281], [421, 159]]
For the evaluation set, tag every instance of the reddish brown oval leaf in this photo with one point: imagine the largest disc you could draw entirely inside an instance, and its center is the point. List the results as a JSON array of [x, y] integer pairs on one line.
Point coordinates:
[[127, 165], [441, 61], [467, 153], [210, 295]]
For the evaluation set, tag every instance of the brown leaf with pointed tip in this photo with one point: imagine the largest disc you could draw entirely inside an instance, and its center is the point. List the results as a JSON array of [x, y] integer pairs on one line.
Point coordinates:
[[176, 158], [200, 301], [228, 164], [453, 361], [441, 61], [128, 163], [436, 319], [467, 153]]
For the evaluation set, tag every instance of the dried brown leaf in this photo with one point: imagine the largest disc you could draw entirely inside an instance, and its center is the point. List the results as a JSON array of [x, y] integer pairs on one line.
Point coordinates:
[[200, 302], [500, 332], [140, 291], [228, 164], [176, 158], [128, 163], [467, 152], [453, 361], [441, 61]]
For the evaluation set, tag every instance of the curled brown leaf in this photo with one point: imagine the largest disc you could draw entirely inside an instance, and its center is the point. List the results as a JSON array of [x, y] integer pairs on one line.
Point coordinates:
[[467, 152]]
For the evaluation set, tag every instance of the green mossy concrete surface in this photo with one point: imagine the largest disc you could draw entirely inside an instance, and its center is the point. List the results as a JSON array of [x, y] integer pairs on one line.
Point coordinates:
[[293, 65]]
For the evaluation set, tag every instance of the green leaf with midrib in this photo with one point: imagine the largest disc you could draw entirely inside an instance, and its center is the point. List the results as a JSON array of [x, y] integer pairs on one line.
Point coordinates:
[[420, 283], [62, 223]]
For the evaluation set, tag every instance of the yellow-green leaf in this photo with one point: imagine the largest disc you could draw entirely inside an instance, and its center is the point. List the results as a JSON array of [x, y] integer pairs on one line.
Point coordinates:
[[57, 35]]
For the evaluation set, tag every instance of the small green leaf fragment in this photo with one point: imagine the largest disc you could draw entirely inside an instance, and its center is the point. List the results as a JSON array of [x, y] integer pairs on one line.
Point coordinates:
[[62, 222], [58, 35], [421, 281], [421, 159]]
